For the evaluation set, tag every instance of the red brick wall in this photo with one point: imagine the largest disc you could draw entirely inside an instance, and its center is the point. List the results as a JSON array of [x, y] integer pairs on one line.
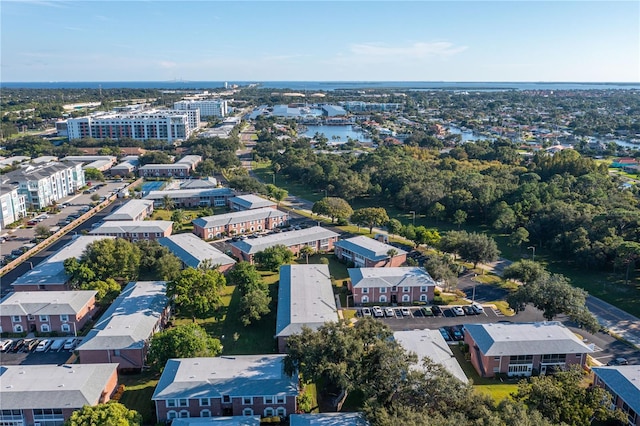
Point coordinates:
[[375, 293], [217, 407]]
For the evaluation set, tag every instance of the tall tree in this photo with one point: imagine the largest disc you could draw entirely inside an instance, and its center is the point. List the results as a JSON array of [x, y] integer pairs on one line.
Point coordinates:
[[525, 271], [168, 203], [110, 414], [254, 305], [178, 217], [518, 237], [307, 251], [394, 227], [628, 253], [459, 218], [334, 207], [183, 341], [196, 292], [478, 248], [370, 217], [271, 258]]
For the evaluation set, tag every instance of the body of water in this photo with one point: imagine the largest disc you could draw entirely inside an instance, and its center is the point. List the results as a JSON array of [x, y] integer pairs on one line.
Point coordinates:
[[341, 133], [324, 85]]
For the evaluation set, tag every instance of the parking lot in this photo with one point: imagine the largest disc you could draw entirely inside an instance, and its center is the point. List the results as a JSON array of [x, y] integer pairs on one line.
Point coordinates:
[[28, 352]]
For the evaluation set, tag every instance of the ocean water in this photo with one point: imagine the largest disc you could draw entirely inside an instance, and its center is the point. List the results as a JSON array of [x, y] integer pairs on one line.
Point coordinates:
[[323, 85]]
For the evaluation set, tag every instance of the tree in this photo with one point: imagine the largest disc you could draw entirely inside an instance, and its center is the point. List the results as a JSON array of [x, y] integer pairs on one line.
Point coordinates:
[[394, 227], [459, 217], [157, 261], [167, 203], [108, 258], [95, 197], [370, 217], [42, 231], [183, 341], [254, 305], [110, 414], [334, 207], [178, 217], [92, 173], [525, 271], [427, 236], [307, 251], [563, 399], [628, 254], [438, 211], [518, 237], [271, 258], [155, 157], [478, 248], [245, 276], [278, 194], [196, 292]]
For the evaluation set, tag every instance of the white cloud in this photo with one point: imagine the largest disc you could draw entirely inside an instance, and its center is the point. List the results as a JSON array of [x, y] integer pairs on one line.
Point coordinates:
[[168, 64], [415, 50]]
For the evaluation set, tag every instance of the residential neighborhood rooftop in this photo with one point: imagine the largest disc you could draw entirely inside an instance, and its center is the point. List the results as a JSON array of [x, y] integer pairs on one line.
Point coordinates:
[[130, 319], [305, 298], [290, 238], [188, 193], [538, 338], [251, 201], [238, 217], [624, 381], [430, 344], [130, 210], [132, 226], [192, 251], [403, 276], [236, 376], [217, 421], [328, 419], [368, 247], [45, 302], [53, 386]]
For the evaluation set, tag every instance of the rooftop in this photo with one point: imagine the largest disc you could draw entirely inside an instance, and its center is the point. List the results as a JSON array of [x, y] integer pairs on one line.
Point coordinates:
[[217, 421], [302, 236], [130, 319], [368, 248], [66, 386], [130, 210], [305, 298], [51, 270], [184, 166], [624, 381], [238, 217], [189, 193], [430, 344], [404, 276], [328, 419], [235, 376], [538, 338], [45, 302], [192, 251], [132, 226], [251, 201]]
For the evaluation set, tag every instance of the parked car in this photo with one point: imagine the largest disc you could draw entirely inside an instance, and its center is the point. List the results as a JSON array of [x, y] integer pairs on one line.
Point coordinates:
[[388, 312], [406, 312], [426, 311], [57, 344], [436, 310], [458, 311], [32, 222], [468, 310], [44, 345], [5, 344], [456, 333], [70, 343], [477, 308], [30, 344], [366, 312], [445, 334], [618, 361], [377, 312], [17, 345]]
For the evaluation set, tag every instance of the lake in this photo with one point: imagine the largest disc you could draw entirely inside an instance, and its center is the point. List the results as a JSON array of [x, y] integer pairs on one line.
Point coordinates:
[[341, 133]]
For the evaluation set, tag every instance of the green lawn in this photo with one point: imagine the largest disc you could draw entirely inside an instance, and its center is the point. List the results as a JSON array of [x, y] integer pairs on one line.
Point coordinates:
[[137, 394]]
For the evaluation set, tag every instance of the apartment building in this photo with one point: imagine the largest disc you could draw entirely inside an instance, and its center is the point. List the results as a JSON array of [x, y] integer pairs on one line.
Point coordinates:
[[204, 197], [391, 285], [43, 184], [135, 230], [239, 222], [132, 210], [623, 383], [207, 107], [366, 252], [250, 202], [192, 252], [180, 169], [13, 206]]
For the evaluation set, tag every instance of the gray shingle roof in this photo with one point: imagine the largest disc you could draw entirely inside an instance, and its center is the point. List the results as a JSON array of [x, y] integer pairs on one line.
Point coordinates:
[[130, 210], [305, 297], [430, 344], [404, 276], [368, 247], [624, 381], [131, 318], [328, 419], [251, 201], [538, 338], [45, 302], [239, 375], [218, 421], [132, 226], [238, 217], [189, 193], [302, 236], [191, 250], [65, 386]]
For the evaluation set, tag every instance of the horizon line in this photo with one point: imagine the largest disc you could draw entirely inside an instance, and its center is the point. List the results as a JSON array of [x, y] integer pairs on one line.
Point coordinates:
[[328, 81]]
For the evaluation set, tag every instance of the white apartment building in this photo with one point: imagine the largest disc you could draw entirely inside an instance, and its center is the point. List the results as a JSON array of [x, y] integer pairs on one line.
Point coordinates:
[[12, 205], [166, 125], [207, 107], [42, 185]]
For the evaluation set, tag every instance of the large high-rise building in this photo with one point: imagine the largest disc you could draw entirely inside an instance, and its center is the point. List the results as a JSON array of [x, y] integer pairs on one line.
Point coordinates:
[[207, 107], [169, 125]]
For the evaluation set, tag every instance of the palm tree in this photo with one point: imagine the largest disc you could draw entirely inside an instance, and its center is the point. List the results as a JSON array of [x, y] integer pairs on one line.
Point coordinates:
[[391, 253], [168, 203], [307, 251], [178, 217]]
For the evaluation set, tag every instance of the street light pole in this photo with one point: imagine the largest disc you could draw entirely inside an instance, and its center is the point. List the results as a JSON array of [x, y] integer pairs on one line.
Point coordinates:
[[533, 256], [473, 296], [414, 217]]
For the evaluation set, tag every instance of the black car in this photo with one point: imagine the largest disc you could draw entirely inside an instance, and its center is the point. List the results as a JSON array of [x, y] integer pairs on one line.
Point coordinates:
[[17, 345], [468, 310], [436, 310]]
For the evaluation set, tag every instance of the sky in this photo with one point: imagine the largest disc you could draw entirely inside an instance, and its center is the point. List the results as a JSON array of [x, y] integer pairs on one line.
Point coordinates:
[[135, 40]]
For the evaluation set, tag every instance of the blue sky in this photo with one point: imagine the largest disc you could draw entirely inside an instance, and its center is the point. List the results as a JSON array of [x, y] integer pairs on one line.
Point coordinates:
[[320, 40]]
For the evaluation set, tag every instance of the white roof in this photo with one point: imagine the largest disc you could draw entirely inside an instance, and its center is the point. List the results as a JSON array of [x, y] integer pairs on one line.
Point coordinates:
[[65, 386], [184, 166], [305, 298], [328, 419], [217, 421], [368, 247], [51, 270], [45, 302], [238, 375], [430, 344], [238, 217], [251, 201], [538, 338], [131, 319], [189, 193], [291, 238], [192, 251], [404, 276], [132, 226], [130, 210]]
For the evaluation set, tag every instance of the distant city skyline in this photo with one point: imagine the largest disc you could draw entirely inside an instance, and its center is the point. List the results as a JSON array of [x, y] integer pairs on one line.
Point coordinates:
[[510, 41]]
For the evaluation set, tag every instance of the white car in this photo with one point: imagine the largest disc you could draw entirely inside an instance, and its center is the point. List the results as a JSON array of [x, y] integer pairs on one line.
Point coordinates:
[[458, 311], [406, 312], [44, 345], [377, 312], [5, 344], [57, 345], [366, 312], [70, 343], [478, 309], [389, 312]]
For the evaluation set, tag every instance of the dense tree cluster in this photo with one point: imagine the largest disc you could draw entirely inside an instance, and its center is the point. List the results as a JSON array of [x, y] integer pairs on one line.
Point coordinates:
[[182, 341], [254, 293], [196, 291], [271, 258], [110, 414]]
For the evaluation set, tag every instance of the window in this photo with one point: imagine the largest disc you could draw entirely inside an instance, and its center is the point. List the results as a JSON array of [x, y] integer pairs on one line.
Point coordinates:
[[44, 318], [247, 400], [205, 413], [268, 400], [226, 398], [64, 318], [405, 297], [45, 328], [423, 297], [65, 328], [16, 318], [247, 412], [405, 289], [365, 290], [204, 402], [394, 288], [268, 412], [184, 414], [170, 403], [383, 299], [281, 411], [17, 328], [365, 299], [423, 288], [383, 290], [280, 399]]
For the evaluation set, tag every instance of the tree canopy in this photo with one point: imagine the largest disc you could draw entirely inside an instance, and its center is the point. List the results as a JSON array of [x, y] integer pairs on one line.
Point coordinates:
[[109, 414], [334, 207], [370, 217], [196, 292], [271, 258], [183, 341]]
